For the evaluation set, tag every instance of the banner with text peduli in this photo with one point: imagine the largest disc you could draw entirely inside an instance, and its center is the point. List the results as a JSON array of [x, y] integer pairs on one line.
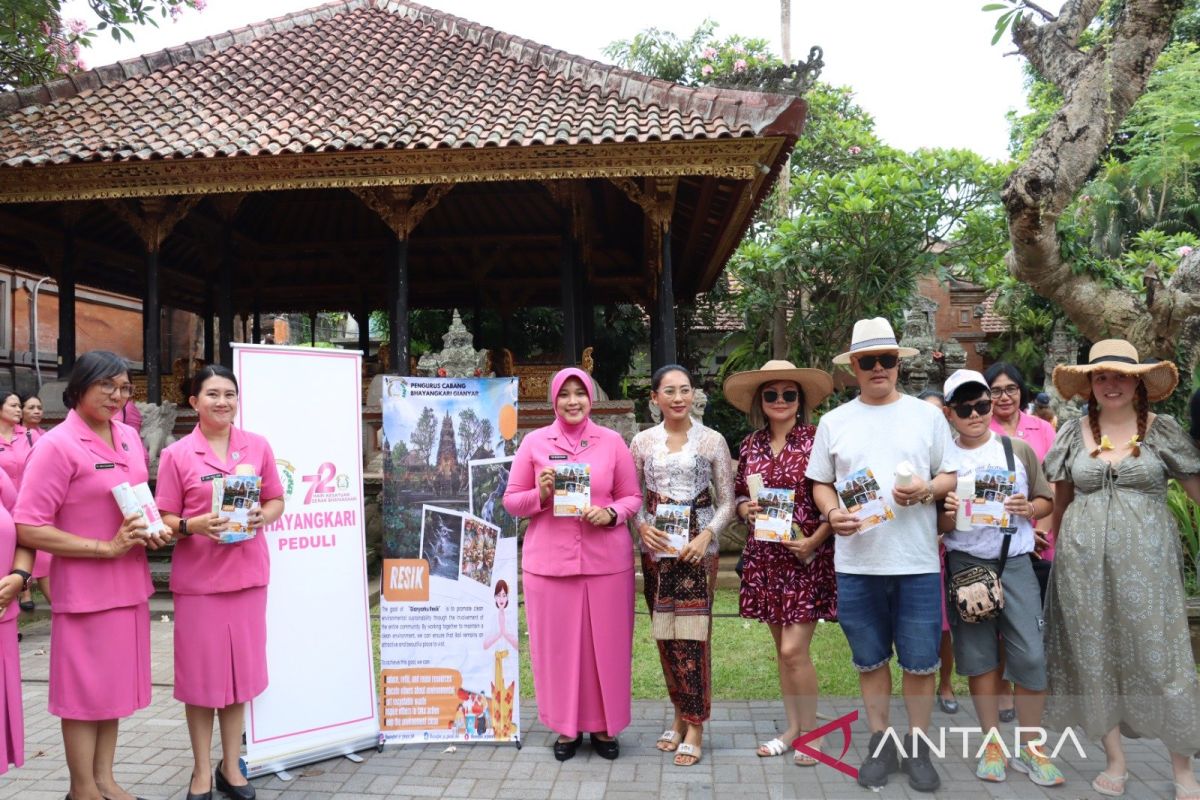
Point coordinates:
[[321, 698], [448, 610]]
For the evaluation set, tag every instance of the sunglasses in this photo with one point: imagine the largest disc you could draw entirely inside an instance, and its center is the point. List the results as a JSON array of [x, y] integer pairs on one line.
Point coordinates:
[[982, 408], [789, 396], [867, 363]]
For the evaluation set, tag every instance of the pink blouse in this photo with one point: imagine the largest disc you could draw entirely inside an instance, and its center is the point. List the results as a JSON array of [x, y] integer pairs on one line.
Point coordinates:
[[68, 483], [185, 472], [560, 546]]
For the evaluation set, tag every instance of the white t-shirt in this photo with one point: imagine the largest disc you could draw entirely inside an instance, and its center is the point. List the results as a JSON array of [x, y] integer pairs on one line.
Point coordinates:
[[857, 435], [983, 541]]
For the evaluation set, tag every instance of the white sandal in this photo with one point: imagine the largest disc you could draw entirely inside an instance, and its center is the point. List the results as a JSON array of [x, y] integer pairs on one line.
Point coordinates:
[[687, 751], [669, 737], [775, 747]]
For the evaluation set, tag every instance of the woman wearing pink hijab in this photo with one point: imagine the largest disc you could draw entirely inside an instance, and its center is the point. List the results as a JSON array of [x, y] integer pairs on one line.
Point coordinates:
[[578, 570]]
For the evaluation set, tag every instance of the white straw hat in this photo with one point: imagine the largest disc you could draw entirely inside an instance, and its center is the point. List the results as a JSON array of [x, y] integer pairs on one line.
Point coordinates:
[[1116, 355], [873, 336]]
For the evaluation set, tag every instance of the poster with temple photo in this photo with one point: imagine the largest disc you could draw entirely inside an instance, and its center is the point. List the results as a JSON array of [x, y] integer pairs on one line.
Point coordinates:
[[449, 650]]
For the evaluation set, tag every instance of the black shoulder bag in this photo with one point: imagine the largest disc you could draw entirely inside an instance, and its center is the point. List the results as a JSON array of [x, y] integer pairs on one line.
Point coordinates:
[[976, 591]]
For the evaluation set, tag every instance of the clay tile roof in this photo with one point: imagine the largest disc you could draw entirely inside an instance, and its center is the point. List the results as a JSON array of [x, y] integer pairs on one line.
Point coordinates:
[[991, 322], [362, 74]]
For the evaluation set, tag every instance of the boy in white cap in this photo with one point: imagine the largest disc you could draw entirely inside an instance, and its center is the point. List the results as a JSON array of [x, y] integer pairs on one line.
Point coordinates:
[[889, 576], [977, 644]]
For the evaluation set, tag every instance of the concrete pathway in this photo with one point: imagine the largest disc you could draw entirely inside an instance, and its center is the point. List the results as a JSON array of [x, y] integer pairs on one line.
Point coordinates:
[[154, 761]]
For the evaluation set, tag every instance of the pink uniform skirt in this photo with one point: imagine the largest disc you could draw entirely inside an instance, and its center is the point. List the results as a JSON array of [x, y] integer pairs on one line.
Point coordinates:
[[220, 647], [581, 646], [12, 720], [41, 564], [100, 663]]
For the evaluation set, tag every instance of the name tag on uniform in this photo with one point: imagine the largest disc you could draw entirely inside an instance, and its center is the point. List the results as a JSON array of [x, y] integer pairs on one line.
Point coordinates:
[[212, 477], [560, 457], [106, 466]]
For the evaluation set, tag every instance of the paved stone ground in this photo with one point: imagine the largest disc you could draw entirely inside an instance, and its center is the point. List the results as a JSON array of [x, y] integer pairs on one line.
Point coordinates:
[[153, 758]]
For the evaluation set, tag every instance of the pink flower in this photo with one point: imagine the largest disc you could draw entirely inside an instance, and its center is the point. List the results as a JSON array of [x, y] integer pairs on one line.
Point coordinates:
[[1183, 252], [853, 149], [739, 48], [45, 27], [80, 64], [739, 65], [708, 53], [77, 26], [175, 12], [706, 69], [199, 5], [64, 68]]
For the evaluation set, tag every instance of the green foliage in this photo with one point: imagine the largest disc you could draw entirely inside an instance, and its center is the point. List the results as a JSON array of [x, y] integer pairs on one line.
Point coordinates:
[[38, 45], [699, 59], [1187, 516], [1013, 13]]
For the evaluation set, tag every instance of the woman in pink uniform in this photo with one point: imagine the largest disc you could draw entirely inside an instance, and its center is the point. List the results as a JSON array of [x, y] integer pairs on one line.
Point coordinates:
[[31, 421], [31, 416], [14, 445], [578, 572], [18, 560], [220, 589], [100, 630]]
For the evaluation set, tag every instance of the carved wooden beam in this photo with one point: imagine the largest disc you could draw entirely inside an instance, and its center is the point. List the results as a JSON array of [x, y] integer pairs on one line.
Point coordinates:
[[227, 205], [655, 196], [402, 207], [153, 218]]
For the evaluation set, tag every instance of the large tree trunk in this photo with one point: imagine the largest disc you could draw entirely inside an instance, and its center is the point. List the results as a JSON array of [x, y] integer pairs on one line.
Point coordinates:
[[1099, 88]]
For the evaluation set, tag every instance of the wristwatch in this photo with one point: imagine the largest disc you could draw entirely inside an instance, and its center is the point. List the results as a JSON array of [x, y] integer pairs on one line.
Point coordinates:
[[24, 576], [183, 531]]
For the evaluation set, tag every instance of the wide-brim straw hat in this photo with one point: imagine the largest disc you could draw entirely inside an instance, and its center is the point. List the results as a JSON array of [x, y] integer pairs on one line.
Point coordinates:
[[873, 336], [739, 388], [1116, 355]]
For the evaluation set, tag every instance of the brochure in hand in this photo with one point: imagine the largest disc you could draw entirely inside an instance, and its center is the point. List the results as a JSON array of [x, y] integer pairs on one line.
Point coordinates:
[[233, 497], [774, 520], [674, 521], [139, 500], [572, 489], [993, 485], [861, 495]]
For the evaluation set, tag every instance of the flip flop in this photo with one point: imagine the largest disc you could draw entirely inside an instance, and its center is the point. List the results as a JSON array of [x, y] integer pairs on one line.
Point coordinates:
[[687, 751], [804, 759], [670, 738], [775, 747], [1110, 780], [1184, 793]]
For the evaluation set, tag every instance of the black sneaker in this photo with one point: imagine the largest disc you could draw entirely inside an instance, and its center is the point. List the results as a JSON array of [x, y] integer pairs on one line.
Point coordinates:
[[921, 774], [875, 768]]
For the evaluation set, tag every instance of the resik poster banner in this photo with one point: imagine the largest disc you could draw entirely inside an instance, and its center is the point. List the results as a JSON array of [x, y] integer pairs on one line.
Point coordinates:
[[321, 699], [448, 610]]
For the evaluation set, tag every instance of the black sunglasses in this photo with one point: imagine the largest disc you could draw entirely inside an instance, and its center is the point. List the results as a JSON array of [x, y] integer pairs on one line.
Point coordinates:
[[980, 407], [789, 395], [867, 363]]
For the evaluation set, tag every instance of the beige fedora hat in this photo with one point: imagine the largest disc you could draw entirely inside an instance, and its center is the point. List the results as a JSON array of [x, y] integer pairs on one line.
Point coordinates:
[[873, 336], [739, 388], [1116, 355]]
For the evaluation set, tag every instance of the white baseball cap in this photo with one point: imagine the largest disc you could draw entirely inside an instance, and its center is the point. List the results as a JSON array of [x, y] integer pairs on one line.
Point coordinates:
[[961, 378]]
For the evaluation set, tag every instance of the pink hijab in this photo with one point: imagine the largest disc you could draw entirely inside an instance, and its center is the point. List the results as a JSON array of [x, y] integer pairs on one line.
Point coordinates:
[[573, 433]]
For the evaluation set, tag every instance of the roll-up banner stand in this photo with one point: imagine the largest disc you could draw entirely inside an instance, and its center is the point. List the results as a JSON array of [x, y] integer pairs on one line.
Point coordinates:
[[320, 701], [448, 611]]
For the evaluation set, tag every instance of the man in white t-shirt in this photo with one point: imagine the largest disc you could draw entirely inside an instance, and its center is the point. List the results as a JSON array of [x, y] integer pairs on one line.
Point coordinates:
[[888, 572]]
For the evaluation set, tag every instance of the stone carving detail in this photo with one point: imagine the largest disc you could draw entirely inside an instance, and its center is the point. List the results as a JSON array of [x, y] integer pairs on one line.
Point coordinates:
[[938, 358], [458, 357], [158, 429], [1063, 349]]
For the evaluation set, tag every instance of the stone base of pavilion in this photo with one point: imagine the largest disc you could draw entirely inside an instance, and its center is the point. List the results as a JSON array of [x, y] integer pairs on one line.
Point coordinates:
[[154, 760]]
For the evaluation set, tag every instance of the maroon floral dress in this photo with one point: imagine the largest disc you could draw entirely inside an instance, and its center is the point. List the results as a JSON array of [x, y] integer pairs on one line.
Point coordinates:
[[777, 587]]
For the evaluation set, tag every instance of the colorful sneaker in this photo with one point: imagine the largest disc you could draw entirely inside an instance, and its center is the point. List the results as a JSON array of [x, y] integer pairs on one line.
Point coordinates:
[[991, 763], [1038, 767]]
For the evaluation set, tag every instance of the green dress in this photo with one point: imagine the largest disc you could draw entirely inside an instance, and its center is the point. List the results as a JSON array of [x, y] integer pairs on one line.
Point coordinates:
[[1117, 644]]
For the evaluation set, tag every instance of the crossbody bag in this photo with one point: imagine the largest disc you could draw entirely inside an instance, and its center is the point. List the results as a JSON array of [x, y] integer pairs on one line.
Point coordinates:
[[976, 591]]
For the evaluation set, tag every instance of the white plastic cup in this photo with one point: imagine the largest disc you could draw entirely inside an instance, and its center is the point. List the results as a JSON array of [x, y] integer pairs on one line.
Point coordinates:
[[965, 489]]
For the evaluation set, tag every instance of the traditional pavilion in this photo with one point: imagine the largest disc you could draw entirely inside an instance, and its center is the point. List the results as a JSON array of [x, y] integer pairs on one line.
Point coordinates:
[[368, 154]]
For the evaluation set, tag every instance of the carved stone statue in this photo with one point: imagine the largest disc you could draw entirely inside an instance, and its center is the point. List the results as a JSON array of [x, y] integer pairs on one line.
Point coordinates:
[[921, 370], [458, 357], [1063, 349], [158, 429]]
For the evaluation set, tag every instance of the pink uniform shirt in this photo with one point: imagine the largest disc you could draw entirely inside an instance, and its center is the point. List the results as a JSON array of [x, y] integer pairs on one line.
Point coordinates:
[[185, 472], [68, 483], [13, 455], [8, 538], [558, 546], [1035, 431]]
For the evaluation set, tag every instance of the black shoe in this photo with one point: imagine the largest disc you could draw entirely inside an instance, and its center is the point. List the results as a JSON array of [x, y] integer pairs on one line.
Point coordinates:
[[921, 774], [1008, 714], [948, 706], [26, 605], [605, 748], [565, 751], [875, 769], [201, 795], [235, 792]]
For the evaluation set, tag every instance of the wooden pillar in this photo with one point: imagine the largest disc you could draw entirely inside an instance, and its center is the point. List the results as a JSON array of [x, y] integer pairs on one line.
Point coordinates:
[[398, 331], [364, 329], [66, 306], [312, 328], [656, 197], [209, 322], [570, 305], [225, 300], [665, 305], [401, 209], [256, 330], [152, 341]]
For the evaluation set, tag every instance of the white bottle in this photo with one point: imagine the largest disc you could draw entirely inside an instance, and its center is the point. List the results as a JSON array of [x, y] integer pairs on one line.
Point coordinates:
[[904, 474], [966, 493]]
